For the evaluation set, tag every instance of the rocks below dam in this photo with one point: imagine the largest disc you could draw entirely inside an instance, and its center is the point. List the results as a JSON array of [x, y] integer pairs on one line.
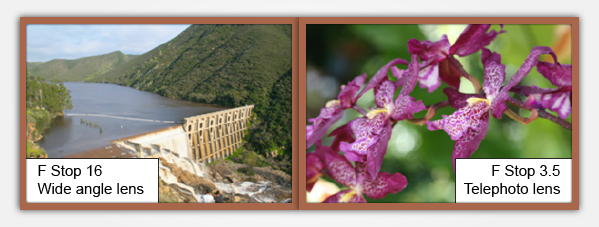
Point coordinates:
[[239, 183]]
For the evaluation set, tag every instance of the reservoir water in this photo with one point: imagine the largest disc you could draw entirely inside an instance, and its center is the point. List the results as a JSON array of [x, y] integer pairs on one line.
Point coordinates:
[[119, 111]]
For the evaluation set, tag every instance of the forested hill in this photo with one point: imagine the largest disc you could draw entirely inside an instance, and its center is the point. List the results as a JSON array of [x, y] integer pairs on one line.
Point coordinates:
[[82, 69], [230, 65]]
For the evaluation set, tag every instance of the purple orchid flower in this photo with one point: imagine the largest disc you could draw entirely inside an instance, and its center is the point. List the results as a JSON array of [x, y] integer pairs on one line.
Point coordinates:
[[469, 124], [357, 178], [558, 100], [333, 111], [531, 61], [438, 61], [373, 132]]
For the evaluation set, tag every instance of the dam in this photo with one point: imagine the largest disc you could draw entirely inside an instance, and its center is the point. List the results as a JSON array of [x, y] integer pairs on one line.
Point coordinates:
[[202, 138], [199, 140]]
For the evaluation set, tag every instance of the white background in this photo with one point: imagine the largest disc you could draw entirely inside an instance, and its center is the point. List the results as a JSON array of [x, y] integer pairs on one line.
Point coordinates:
[[115, 171], [529, 172], [586, 10]]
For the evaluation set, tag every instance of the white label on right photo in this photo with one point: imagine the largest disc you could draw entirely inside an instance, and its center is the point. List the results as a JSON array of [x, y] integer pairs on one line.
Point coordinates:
[[513, 181]]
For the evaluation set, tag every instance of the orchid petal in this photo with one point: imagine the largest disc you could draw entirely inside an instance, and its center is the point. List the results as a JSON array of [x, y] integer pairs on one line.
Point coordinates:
[[347, 96], [458, 100], [498, 105], [405, 107], [494, 73], [449, 73], [380, 75], [531, 61], [469, 142], [559, 74], [410, 83], [321, 124], [339, 196], [382, 184], [430, 51], [559, 102], [428, 77], [360, 146], [554, 99], [339, 168], [376, 153], [532, 90], [350, 154], [473, 38], [343, 133], [357, 125], [314, 167], [383, 93], [462, 120]]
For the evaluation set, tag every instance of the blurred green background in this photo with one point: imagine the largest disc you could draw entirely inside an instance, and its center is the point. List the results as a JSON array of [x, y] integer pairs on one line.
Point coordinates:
[[337, 53]]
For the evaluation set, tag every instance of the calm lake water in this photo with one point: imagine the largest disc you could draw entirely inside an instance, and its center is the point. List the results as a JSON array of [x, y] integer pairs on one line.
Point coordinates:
[[125, 112]]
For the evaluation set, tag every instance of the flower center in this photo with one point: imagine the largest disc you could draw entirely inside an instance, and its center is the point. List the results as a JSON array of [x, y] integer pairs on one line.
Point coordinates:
[[474, 101], [348, 196], [373, 113], [333, 103]]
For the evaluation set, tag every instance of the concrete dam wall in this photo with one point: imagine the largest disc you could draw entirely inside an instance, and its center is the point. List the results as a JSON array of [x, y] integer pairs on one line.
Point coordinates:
[[203, 138]]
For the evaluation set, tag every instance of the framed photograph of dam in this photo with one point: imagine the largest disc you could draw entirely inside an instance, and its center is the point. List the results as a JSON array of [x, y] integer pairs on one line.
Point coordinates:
[[211, 99], [455, 113]]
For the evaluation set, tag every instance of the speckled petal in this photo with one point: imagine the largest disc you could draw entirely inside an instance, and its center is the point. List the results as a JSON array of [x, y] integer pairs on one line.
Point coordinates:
[[383, 184], [412, 77], [313, 170], [321, 124], [405, 107], [361, 145], [347, 96], [376, 153], [559, 75], [356, 125], [430, 51], [473, 38], [470, 141], [464, 119], [339, 168], [383, 93], [352, 155], [336, 198], [494, 73], [380, 75]]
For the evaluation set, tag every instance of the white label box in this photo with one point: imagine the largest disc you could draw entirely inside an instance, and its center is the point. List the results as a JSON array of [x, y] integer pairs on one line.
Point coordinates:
[[513, 180], [92, 180]]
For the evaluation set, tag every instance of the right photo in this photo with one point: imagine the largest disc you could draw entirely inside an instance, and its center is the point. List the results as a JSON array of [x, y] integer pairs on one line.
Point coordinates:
[[389, 108]]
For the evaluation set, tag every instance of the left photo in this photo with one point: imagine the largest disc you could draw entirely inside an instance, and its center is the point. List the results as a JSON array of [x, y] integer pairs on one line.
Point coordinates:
[[213, 102]]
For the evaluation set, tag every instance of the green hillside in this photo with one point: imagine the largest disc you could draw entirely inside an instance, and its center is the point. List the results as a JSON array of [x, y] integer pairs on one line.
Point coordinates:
[[230, 65], [82, 69]]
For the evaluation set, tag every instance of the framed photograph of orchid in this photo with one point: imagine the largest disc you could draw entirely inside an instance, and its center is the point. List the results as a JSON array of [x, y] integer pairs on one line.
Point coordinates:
[[390, 105]]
